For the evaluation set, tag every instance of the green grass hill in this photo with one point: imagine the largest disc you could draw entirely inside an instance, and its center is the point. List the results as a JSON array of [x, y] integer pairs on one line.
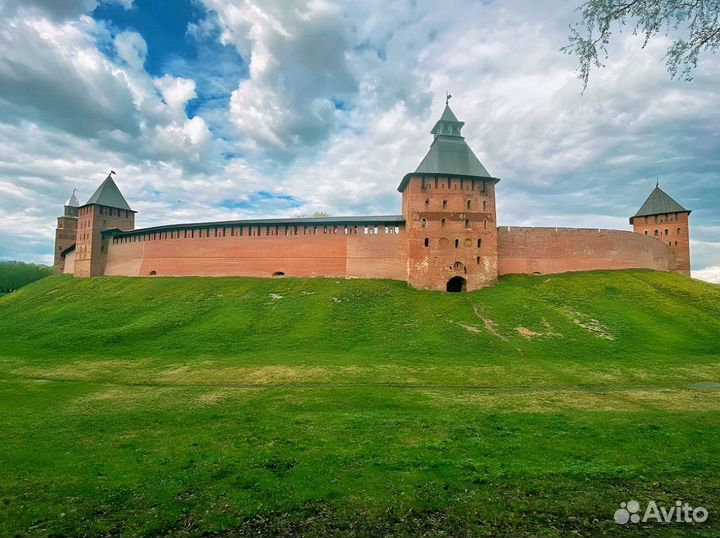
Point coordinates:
[[234, 406]]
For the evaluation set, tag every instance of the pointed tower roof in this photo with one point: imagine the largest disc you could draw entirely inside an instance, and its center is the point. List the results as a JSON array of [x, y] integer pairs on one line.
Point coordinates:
[[109, 195], [449, 154], [658, 203], [72, 201], [448, 114]]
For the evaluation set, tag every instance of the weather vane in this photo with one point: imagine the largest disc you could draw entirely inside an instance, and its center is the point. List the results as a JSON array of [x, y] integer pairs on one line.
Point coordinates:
[[447, 97]]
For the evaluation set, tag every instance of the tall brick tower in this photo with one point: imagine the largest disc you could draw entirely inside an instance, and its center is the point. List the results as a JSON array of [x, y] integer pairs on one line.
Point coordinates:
[[449, 209], [662, 217], [105, 209], [65, 231]]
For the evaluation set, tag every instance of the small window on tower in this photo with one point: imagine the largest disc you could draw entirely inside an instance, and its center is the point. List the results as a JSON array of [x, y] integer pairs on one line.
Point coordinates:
[[444, 204], [479, 243], [442, 223], [427, 204], [666, 231], [427, 242], [656, 233], [457, 243], [679, 232], [469, 203], [423, 223], [467, 223]]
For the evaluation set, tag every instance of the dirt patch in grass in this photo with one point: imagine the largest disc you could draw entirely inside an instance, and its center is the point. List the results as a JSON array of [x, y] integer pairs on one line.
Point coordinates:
[[490, 325], [86, 370], [527, 333], [552, 401], [468, 328], [216, 396], [591, 325], [125, 397]]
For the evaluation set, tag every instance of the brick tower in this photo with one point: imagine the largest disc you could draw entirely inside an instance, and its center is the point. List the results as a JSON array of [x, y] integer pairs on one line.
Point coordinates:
[[449, 208], [65, 231], [105, 209], [662, 217]]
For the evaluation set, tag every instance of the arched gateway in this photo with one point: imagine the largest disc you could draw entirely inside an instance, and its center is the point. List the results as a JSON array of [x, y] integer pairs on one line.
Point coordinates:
[[456, 284]]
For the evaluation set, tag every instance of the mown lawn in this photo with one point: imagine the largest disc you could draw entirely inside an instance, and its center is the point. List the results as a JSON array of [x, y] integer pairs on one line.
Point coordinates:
[[229, 406]]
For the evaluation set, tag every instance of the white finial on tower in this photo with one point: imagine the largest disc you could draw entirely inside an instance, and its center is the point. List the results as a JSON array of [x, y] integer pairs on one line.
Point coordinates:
[[72, 201]]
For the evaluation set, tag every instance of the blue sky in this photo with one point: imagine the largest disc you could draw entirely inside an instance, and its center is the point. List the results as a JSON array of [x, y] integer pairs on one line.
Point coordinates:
[[215, 109]]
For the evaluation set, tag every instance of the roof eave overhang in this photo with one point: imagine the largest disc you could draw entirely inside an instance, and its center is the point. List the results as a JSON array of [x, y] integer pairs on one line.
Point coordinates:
[[688, 211], [406, 179], [110, 206]]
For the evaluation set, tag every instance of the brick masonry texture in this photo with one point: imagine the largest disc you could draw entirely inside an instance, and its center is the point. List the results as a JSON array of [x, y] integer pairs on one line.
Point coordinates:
[[561, 250], [673, 229], [329, 255]]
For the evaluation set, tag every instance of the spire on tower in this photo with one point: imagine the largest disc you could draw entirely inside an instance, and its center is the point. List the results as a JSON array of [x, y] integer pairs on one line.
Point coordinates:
[[449, 154], [73, 201]]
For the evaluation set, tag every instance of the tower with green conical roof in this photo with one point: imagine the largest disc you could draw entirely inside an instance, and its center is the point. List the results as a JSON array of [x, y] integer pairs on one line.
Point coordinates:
[[662, 217], [449, 208]]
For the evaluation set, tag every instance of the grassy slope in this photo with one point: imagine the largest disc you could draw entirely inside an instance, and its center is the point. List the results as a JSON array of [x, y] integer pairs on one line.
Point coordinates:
[[186, 406]]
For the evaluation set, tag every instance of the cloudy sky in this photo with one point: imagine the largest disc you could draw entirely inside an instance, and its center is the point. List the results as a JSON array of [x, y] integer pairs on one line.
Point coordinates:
[[218, 109]]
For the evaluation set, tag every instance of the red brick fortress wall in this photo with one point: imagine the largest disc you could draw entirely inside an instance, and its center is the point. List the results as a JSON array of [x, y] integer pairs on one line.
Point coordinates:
[[560, 250], [368, 252]]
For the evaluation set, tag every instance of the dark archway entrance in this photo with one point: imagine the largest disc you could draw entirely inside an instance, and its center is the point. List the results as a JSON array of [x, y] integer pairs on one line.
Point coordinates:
[[456, 284]]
